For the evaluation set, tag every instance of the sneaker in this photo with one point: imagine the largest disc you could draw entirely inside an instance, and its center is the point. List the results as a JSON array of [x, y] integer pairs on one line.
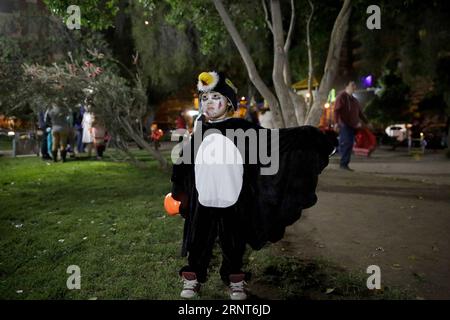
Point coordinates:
[[346, 168], [237, 290], [190, 285]]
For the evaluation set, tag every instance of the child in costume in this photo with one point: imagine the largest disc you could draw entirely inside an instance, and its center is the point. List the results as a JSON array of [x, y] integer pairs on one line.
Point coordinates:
[[237, 201], [99, 134]]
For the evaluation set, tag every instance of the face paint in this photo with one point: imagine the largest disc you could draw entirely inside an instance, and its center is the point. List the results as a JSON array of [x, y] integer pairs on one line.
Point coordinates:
[[214, 104]]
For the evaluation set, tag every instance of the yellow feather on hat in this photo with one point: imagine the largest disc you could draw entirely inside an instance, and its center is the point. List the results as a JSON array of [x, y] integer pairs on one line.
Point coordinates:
[[207, 81]]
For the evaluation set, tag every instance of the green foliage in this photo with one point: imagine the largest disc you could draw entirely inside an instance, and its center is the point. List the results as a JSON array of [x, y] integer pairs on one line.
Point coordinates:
[[433, 105], [183, 39], [442, 80], [166, 54], [391, 104], [50, 45], [112, 97], [29, 48], [205, 19], [250, 21], [325, 13], [96, 15], [413, 32]]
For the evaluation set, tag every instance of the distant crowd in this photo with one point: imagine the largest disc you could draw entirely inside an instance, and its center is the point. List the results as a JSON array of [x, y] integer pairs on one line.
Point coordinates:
[[71, 132]]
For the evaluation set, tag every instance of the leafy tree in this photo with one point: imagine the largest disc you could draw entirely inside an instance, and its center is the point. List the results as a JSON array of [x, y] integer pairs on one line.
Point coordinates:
[[288, 108], [442, 83], [95, 14], [391, 104], [119, 103], [178, 42], [204, 40], [44, 47], [35, 74], [414, 33], [165, 52]]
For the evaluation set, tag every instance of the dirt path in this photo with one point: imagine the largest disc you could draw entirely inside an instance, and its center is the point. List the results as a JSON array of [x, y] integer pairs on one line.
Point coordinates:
[[393, 211]]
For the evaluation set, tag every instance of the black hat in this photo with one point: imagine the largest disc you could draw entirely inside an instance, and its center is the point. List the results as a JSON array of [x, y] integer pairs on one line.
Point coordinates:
[[213, 81]]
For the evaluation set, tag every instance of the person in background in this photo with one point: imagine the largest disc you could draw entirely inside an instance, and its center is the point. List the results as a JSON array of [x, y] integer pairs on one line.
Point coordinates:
[[86, 123], [98, 132], [156, 136], [180, 122], [60, 130], [42, 126], [349, 116], [77, 120], [71, 137]]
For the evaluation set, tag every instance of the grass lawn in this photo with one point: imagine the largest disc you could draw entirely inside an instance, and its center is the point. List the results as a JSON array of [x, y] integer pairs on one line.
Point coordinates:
[[108, 219]]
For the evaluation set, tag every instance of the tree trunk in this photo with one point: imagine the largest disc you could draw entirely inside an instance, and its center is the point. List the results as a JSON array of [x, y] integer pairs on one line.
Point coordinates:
[[299, 107], [254, 76], [310, 63], [142, 143], [331, 66], [279, 62], [298, 102], [287, 68]]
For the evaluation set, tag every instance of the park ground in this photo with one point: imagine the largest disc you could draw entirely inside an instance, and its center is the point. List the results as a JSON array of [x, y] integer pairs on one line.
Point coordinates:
[[393, 212], [107, 218]]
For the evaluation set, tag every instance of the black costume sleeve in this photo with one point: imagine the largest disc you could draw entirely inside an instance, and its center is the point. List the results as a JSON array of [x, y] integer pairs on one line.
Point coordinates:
[[303, 154]]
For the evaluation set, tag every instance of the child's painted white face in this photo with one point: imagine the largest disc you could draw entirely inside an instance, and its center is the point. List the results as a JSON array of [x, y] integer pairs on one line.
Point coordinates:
[[214, 104]]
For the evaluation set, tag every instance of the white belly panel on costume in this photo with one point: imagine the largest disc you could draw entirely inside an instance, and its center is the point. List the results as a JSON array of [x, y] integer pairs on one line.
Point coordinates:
[[219, 172]]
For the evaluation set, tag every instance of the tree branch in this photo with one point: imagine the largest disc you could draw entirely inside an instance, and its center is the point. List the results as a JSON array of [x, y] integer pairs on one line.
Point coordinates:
[[142, 143], [287, 45], [254, 76], [287, 68], [279, 66], [310, 63], [338, 34], [266, 15], [337, 37]]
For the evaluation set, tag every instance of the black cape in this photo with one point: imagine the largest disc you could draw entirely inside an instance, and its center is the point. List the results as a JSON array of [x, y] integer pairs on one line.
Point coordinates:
[[267, 204]]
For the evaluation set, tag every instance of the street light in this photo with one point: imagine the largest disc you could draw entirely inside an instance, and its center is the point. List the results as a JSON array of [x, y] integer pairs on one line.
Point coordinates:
[[243, 101]]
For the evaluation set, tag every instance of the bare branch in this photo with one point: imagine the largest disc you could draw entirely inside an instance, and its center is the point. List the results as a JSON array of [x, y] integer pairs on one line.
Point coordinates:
[[142, 143], [280, 65], [338, 33], [266, 14], [254, 76], [287, 45], [308, 45], [287, 68], [337, 37]]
